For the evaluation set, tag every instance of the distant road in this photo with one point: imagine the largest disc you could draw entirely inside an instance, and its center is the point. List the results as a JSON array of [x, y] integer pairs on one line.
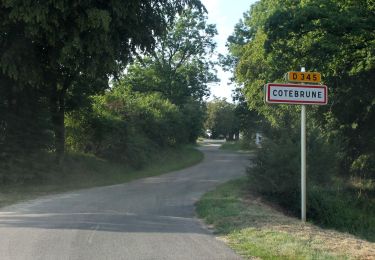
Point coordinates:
[[150, 218]]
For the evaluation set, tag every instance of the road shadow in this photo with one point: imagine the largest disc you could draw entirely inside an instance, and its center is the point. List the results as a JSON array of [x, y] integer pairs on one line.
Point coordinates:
[[102, 221], [160, 204]]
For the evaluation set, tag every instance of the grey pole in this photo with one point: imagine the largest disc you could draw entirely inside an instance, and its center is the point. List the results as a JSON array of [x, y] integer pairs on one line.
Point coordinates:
[[303, 160]]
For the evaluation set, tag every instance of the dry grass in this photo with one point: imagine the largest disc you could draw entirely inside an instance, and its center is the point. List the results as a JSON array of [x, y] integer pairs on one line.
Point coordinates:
[[323, 239], [255, 228]]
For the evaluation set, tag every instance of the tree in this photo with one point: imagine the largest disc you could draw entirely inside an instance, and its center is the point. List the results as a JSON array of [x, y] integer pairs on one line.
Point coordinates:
[[55, 46], [179, 69], [340, 35], [333, 37], [222, 119], [180, 66]]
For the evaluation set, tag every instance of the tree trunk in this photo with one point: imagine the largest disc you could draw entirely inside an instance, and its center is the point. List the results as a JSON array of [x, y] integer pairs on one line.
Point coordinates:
[[60, 128], [57, 108]]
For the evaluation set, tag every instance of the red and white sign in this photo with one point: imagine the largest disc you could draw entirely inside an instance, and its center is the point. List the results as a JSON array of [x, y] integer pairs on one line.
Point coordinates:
[[296, 94]]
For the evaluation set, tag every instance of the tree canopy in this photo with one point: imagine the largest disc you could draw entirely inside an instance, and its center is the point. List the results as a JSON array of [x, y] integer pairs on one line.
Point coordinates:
[[55, 54], [222, 119], [333, 37], [179, 67]]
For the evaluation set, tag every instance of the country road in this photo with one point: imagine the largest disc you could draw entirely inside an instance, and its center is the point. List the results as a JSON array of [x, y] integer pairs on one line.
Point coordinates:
[[151, 218]]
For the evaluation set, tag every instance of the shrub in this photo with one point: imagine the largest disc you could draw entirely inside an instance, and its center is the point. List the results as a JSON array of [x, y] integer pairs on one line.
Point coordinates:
[[276, 174], [364, 166], [126, 126], [342, 209], [275, 171]]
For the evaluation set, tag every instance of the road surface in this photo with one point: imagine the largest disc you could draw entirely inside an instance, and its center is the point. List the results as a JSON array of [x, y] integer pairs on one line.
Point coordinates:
[[151, 218]]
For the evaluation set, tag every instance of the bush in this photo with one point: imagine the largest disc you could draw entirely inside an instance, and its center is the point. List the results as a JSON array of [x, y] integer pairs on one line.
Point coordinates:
[[126, 126], [342, 209], [364, 166], [275, 171], [25, 138], [276, 167], [276, 175]]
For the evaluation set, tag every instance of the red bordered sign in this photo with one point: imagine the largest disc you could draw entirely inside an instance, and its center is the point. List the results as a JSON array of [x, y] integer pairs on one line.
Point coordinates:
[[296, 94]]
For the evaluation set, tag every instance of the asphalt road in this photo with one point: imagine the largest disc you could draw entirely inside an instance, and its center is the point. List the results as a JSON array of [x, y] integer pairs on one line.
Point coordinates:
[[151, 218]]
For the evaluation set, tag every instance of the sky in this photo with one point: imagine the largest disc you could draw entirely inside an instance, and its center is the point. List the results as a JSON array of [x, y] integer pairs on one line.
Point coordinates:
[[225, 14]]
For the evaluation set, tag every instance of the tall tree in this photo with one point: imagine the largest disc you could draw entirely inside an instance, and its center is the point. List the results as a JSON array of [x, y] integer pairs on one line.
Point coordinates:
[[333, 37], [58, 46], [222, 119], [180, 66]]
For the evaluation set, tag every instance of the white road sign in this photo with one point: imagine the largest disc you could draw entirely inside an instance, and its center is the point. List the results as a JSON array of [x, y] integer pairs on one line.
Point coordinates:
[[296, 94]]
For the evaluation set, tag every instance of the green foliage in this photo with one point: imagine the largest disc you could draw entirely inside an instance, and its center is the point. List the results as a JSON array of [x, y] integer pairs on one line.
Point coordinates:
[[255, 230], [125, 126], [275, 172], [57, 57], [193, 115], [337, 39], [364, 166], [275, 169], [86, 171], [59, 53], [276, 175], [222, 119], [25, 132], [26, 168], [343, 210], [176, 72], [179, 67], [333, 37], [233, 146]]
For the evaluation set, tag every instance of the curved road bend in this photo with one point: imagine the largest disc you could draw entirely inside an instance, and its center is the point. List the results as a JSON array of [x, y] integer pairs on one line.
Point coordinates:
[[151, 218]]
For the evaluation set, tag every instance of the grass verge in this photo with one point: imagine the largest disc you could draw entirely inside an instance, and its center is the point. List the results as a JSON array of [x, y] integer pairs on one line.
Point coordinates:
[[238, 146], [84, 171], [254, 229], [231, 146]]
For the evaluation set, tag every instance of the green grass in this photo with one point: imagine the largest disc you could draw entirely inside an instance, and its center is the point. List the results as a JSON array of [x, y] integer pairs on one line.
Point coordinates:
[[343, 210], [237, 146], [231, 146], [85, 171], [256, 230], [268, 244]]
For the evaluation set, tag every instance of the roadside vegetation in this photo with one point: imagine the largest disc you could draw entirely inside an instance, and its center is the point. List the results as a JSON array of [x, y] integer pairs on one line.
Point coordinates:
[[222, 120], [114, 90], [112, 96], [336, 39], [240, 145], [231, 146], [85, 171], [332, 201], [253, 228]]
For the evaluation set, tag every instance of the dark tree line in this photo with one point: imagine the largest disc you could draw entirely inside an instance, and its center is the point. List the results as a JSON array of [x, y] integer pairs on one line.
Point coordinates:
[[336, 38], [333, 37], [56, 55]]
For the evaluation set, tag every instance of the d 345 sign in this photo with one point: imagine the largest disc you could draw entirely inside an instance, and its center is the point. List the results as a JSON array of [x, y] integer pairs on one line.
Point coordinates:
[[310, 77]]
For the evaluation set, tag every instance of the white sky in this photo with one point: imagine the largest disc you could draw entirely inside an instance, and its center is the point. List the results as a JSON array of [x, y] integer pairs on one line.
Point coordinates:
[[225, 14]]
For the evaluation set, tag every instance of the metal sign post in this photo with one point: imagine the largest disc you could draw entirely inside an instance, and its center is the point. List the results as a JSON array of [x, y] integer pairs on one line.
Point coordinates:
[[302, 94], [303, 160]]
